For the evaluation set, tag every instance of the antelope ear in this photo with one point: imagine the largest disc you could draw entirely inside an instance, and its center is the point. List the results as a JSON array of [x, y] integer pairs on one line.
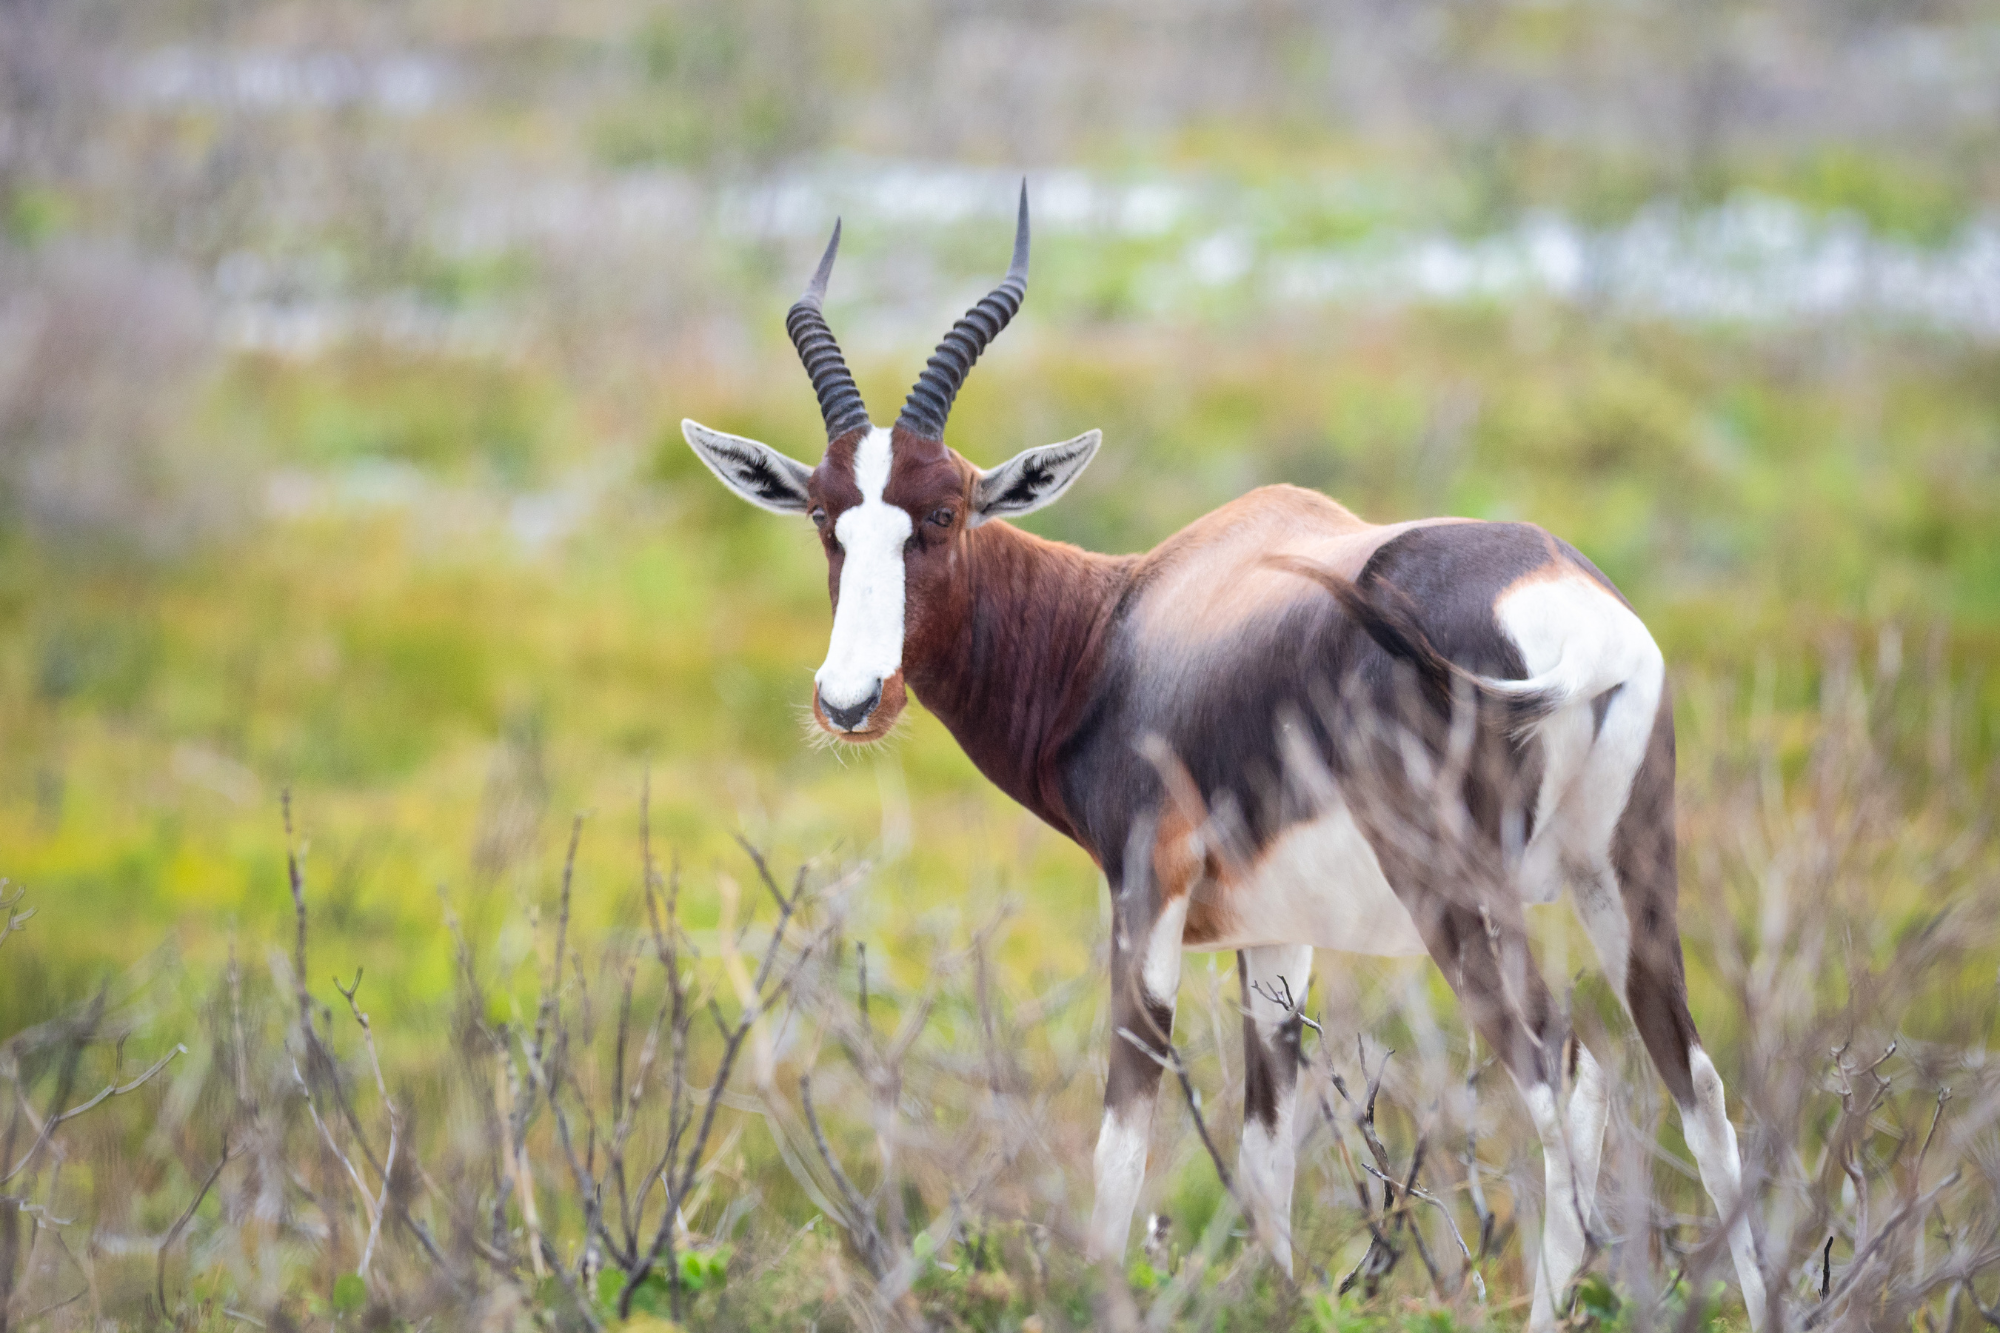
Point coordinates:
[[757, 472], [1031, 479]]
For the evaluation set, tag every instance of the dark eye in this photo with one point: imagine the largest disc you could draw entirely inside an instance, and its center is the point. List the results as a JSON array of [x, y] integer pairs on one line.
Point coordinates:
[[819, 516], [942, 517]]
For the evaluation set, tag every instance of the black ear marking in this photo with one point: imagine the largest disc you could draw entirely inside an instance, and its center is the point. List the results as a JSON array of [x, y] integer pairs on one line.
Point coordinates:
[[1031, 481], [757, 472], [759, 476], [1033, 478]]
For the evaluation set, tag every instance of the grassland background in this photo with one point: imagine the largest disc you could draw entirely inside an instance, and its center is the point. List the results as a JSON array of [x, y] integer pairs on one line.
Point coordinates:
[[343, 350]]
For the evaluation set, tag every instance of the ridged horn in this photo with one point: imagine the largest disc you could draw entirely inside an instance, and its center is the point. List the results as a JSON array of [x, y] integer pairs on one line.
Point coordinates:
[[929, 403], [839, 401]]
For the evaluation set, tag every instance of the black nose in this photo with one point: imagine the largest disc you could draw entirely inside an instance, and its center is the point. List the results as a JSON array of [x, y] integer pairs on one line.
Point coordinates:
[[851, 719]]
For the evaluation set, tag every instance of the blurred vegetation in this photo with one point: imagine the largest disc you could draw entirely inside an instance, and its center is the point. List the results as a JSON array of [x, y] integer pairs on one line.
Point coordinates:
[[452, 1159], [420, 622], [343, 350]]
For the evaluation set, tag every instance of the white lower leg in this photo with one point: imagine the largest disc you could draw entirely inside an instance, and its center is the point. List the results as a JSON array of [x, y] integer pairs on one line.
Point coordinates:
[[1562, 1224], [1589, 1108], [1265, 1166], [1121, 1170], [1121, 1140], [1266, 1163], [1712, 1139]]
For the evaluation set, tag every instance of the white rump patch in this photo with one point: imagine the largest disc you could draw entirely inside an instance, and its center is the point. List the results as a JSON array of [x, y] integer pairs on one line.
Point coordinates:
[[867, 643], [1585, 642]]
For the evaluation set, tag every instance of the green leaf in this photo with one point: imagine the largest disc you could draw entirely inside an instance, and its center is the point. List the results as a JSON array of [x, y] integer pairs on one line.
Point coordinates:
[[655, 1296], [350, 1294], [704, 1270], [34, 214], [1596, 1300]]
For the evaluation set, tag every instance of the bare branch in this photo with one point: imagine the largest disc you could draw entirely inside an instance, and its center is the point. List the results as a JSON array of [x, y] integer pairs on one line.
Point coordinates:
[[180, 1224], [1171, 1059], [1410, 1191], [11, 920], [1857, 1268], [764, 871], [326, 1137], [389, 1109], [109, 1091], [860, 1221]]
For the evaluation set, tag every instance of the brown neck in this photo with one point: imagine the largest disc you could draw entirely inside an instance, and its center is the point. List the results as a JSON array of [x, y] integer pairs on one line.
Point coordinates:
[[1010, 664]]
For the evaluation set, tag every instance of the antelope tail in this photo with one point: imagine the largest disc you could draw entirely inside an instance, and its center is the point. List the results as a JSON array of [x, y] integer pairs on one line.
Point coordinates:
[[1390, 618]]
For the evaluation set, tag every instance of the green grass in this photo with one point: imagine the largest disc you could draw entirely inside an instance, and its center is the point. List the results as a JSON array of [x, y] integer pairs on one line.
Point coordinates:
[[439, 693]]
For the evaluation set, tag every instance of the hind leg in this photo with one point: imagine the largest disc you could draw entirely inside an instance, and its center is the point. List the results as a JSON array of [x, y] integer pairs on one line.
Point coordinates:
[[1589, 1109], [1498, 983], [1627, 900], [1266, 1162], [1569, 1188], [1705, 1125], [1656, 993], [1480, 941]]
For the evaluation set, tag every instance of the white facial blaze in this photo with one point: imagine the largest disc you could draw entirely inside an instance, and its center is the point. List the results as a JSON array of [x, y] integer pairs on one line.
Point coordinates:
[[867, 643]]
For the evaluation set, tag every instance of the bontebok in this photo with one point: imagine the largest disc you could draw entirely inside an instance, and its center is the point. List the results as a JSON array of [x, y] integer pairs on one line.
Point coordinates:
[[1282, 729]]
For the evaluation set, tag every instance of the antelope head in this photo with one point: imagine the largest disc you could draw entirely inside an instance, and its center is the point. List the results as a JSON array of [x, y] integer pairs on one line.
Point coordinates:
[[894, 508]]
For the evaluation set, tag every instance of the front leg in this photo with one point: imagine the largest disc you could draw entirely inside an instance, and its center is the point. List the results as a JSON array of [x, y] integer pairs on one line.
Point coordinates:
[[1145, 977]]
